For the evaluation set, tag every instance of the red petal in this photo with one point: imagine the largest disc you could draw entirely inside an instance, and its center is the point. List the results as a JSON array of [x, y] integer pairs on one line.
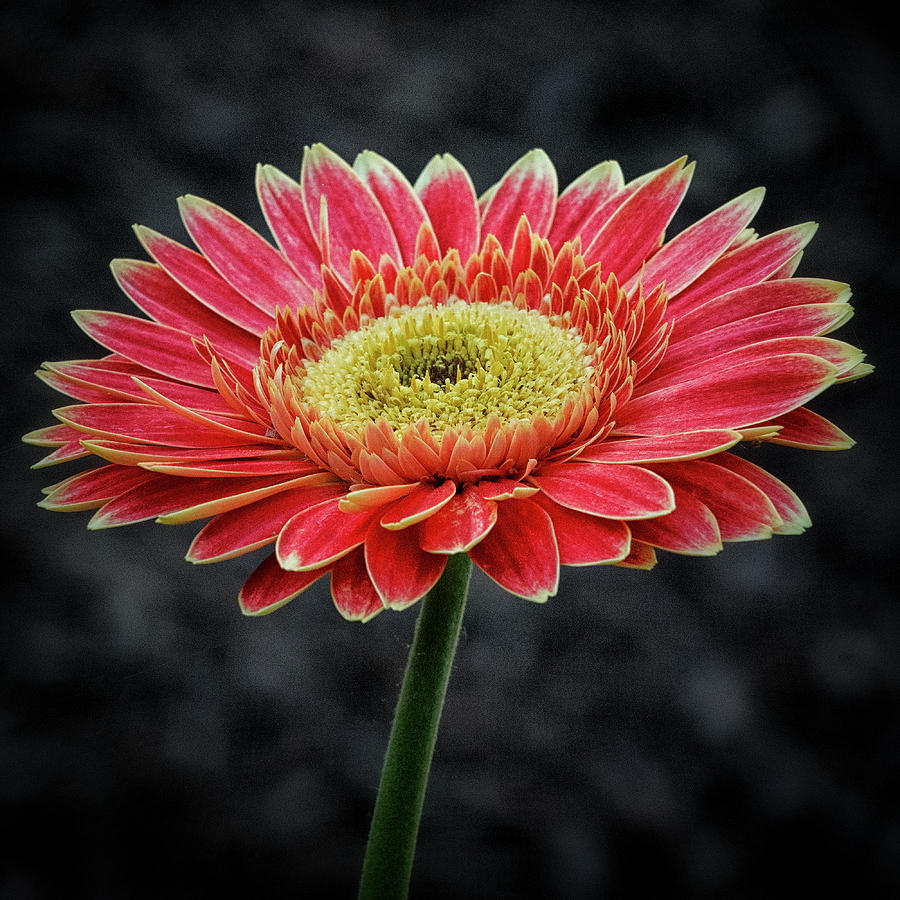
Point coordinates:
[[321, 534], [423, 502], [584, 196], [397, 198], [642, 556], [611, 491], [166, 351], [459, 525], [738, 305], [281, 199], [241, 530], [152, 290], [529, 188], [356, 221], [352, 590], [270, 587], [634, 230], [448, 196], [804, 428], [585, 540], [195, 274], [681, 260], [401, 572], [748, 264], [661, 448], [743, 512], [744, 395], [520, 552], [786, 502], [691, 528], [245, 260], [93, 488]]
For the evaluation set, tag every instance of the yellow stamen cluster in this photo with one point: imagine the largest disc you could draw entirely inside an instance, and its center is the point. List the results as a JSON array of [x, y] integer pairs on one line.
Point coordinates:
[[455, 364]]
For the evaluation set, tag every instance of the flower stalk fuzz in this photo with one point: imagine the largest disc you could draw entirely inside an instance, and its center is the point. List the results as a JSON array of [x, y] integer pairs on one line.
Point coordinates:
[[401, 794]]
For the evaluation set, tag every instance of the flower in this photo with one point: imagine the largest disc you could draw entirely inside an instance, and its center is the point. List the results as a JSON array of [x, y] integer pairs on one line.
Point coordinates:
[[528, 377]]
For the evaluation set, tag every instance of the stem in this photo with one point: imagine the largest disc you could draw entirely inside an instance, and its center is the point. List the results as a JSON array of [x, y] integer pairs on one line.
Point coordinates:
[[395, 822]]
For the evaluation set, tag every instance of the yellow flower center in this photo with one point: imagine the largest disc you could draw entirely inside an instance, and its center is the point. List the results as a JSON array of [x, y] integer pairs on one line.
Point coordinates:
[[454, 365]]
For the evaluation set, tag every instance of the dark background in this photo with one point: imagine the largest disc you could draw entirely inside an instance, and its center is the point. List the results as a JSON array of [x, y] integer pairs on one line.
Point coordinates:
[[721, 727]]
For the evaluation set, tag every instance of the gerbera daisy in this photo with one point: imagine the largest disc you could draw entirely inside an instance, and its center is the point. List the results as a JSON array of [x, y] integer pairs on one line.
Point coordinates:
[[530, 377]]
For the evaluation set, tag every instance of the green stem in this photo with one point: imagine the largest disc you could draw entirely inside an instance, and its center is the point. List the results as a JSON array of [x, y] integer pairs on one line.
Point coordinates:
[[395, 822]]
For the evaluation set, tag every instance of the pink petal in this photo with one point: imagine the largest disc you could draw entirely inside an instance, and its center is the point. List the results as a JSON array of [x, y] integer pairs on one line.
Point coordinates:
[[808, 430], [793, 513], [281, 199], [681, 260], [735, 306], [529, 188], [448, 196], [744, 395], [401, 572], [584, 196], [397, 198], [241, 530], [270, 587], [356, 220], [748, 264], [352, 590], [459, 525], [611, 491], [743, 512], [297, 467], [166, 351], [93, 488], [417, 506], [585, 540], [248, 263], [661, 448], [634, 230], [690, 528], [152, 290], [320, 535], [520, 552], [195, 274]]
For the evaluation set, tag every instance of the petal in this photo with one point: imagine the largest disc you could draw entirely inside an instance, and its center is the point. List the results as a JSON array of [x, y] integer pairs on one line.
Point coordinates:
[[615, 492], [743, 512], [520, 552], [320, 535], [584, 196], [93, 488], [401, 572], [642, 556], [397, 198], [681, 260], [795, 518], [245, 260], [808, 430], [352, 590], [241, 530], [528, 188], [634, 230], [690, 528], [661, 448], [585, 540], [270, 587], [460, 525], [417, 506], [743, 395], [281, 199], [748, 264], [356, 221], [153, 291], [195, 274], [448, 196], [166, 351]]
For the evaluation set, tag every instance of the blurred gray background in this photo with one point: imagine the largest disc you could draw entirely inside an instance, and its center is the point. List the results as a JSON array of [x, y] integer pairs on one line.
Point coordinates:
[[721, 727]]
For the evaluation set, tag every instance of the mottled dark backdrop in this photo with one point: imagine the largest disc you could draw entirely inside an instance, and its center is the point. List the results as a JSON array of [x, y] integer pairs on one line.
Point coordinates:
[[723, 727]]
